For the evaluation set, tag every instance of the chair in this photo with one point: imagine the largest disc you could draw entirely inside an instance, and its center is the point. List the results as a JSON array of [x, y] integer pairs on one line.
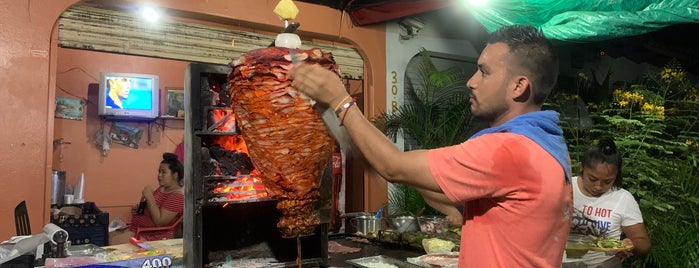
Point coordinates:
[[22, 219], [173, 226]]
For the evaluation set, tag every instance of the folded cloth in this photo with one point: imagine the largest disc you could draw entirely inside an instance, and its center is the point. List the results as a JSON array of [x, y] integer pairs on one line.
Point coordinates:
[[541, 127]]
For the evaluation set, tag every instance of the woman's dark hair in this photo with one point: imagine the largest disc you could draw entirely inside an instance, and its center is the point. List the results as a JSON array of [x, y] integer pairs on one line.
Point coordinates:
[[175, 166], [604, 152]]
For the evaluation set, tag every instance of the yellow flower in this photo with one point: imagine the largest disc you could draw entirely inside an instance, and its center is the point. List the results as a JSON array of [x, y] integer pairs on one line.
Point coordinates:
[[636, 97], [659, 111], [617, 92], [623, 103], [672, 72]]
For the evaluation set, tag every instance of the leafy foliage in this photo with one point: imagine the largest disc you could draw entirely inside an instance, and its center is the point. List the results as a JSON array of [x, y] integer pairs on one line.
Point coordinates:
[[654, 123], [437, 116]]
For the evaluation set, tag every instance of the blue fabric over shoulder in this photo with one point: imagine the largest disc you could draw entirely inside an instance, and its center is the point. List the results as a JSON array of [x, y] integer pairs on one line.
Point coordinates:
[[541, 127]]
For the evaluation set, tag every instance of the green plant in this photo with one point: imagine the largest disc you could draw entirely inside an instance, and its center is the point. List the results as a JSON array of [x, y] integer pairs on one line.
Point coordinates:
[[438, 115], [654, 123]]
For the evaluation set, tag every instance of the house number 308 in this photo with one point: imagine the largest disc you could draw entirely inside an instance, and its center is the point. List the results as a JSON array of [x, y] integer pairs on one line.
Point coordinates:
[[394, 90]]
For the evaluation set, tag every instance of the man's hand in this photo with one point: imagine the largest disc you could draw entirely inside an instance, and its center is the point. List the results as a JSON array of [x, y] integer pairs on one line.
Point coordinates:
[[320, 84]]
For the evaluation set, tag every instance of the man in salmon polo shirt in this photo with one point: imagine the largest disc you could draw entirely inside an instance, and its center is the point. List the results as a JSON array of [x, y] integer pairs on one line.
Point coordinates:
[[512, 179]]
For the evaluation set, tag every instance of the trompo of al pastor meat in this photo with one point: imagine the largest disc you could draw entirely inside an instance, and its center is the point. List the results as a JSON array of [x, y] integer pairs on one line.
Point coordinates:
[[288, 142]]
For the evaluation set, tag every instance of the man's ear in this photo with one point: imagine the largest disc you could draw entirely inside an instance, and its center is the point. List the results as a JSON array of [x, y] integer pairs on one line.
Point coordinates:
[[522, 89]]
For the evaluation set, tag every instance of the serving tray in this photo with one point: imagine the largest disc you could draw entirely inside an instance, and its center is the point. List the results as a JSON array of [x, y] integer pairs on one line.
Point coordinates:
[[375, 261]]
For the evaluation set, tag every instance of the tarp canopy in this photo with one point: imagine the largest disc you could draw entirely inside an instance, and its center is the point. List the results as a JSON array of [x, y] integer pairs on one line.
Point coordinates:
[[652, 31], [587, 20], [568, 20]]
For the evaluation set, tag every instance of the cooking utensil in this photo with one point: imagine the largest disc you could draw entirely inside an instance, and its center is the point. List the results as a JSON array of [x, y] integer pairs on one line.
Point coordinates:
[[378, 214], [140, 244], [294, 56]]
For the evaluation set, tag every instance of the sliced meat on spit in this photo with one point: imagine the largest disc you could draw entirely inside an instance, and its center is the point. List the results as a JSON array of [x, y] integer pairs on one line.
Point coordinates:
[[288, 142]]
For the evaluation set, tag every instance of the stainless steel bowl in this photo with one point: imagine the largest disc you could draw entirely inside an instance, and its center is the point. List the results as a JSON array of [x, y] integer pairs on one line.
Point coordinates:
[[403, 223]]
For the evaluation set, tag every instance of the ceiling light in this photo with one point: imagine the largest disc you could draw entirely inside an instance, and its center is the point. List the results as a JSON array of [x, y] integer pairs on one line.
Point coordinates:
[[150, 14]]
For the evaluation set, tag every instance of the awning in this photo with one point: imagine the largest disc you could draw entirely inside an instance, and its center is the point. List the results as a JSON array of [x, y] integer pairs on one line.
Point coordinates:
[[365, 12]]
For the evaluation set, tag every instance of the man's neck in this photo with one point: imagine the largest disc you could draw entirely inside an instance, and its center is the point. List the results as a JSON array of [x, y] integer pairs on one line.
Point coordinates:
[[512, 114]]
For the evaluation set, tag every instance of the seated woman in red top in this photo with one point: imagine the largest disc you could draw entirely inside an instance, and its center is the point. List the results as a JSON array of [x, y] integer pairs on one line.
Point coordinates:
[[164, 204]]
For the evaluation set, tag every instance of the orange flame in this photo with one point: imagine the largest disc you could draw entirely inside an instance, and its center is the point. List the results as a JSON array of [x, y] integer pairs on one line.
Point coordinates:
[[243, 188], [220, 114]]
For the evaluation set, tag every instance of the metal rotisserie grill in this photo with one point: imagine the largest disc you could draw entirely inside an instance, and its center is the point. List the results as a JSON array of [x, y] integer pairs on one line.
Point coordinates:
[[228, 215]]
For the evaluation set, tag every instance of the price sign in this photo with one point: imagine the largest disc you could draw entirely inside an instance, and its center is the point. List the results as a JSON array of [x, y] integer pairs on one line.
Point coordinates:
[[158, 261]]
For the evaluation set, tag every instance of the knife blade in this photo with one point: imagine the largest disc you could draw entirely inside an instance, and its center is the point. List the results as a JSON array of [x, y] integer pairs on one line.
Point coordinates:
[[293, 54], [140, 244]]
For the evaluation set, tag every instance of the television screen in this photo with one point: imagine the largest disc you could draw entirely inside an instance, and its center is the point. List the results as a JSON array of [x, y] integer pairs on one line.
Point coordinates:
[[129, 96]]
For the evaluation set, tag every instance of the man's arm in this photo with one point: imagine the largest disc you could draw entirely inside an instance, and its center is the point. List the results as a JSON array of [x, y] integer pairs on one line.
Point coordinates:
[[326, 87], [441, 203]]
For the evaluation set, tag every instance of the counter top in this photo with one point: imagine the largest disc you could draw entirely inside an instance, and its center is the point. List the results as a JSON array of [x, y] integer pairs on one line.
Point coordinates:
[[363, 248], [367, 249], [174, 247]]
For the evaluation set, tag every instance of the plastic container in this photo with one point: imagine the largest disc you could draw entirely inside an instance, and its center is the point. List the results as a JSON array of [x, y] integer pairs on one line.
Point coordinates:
[[577, 246], [433, 224], [58, 187]]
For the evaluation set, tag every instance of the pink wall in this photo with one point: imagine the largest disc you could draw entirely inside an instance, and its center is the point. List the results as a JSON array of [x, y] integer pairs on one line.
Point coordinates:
[[32, 66], [114, 182]]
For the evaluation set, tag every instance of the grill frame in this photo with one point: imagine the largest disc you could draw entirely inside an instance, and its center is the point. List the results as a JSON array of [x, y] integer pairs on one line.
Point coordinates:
[[202, 217]]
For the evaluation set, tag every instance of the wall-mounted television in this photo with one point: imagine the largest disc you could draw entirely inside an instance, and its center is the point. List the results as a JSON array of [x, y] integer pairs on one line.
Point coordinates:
[[129, 96]]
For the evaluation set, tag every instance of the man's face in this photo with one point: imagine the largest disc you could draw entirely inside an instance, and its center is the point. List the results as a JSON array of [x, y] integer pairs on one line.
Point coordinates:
[[122, 87], [489, 84]]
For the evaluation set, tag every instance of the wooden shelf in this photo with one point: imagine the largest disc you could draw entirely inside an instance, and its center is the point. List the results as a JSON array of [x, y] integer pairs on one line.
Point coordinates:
[[171, 117]]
